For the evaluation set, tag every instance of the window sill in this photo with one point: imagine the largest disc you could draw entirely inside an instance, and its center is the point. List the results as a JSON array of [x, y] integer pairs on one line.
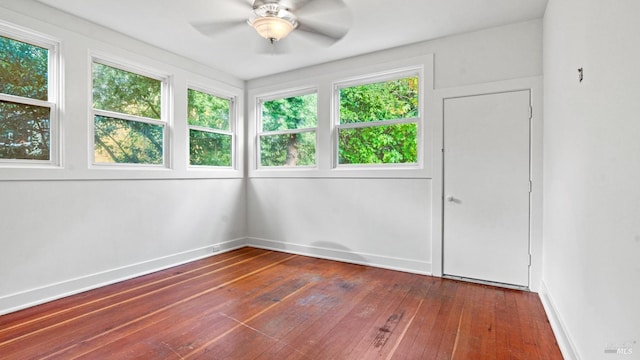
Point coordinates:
[[413, 172], [61, 174]]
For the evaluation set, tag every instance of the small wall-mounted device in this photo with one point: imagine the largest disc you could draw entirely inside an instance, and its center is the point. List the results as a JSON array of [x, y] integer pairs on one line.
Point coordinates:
[[580, 74]]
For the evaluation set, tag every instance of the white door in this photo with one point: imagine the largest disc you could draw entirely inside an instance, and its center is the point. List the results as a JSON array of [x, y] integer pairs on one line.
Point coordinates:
[[486, 187]]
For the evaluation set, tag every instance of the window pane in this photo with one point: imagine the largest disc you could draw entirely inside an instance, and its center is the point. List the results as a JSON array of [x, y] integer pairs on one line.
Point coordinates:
[[125, 92], [288, 149], [299, 112], [23, 69], [388, 144], [127, 142], [209, 149], [390, 100], [24, 131], [208, 110]]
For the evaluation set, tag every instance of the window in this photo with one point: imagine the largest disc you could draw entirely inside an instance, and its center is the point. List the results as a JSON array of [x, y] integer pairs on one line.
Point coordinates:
[[28, 110], [128, 119], [211, 122], [288, 131], [378, 122], [365, 120]]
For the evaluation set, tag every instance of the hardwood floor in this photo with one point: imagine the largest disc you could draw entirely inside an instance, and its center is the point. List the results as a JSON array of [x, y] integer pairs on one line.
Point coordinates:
[[258, 304]]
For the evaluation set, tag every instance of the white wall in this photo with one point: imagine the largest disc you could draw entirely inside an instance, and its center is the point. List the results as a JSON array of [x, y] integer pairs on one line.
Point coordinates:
[[391, 220], [70, 228], [384, 222], [592, 172], [500, 53], [59, 237]]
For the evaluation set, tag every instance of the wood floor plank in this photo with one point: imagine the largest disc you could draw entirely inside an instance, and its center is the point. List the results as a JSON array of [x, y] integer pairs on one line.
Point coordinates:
[[451, 327], [258, 304], [111, 317], [252, 339], [502, 327], [488, 341], [392, 320], [286, 314], [156, 312], [548, 345], [514, 328], [314, 340], [472, 327], [419, 336], [458, 341], [526, 326], [338, 297], [92, 301], [345, 335], [536, 325], [304, 315], [251, 295], [88, 298]]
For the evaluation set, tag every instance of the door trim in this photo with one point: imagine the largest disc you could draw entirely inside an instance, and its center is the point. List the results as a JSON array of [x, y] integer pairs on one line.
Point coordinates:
[[534, 85]]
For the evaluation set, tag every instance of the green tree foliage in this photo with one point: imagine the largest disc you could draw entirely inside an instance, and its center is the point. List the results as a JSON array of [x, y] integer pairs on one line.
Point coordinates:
[[207, 110], [23, 69], [377, 102], [120, 140], [125, 92], [127, 142], [209, 148], [373, 143], [294, 149], [288, 149], [390, 144], [24, 129]]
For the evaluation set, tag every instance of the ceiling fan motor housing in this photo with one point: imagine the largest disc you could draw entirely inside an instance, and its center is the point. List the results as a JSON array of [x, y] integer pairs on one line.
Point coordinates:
[[272, 20]]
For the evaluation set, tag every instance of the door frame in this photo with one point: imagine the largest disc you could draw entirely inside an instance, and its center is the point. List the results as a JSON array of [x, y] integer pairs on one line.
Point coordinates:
[[532, 84]]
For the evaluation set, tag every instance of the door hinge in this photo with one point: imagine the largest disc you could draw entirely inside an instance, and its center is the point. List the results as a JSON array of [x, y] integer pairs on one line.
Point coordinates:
[[529, 259], [530, 186], [530, 112]]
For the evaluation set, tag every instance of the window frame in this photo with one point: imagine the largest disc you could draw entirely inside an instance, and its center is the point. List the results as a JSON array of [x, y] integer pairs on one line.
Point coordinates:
[[54, 95], [336, 126], [165, 120], [233, 126], [323, 78], [259, 128]]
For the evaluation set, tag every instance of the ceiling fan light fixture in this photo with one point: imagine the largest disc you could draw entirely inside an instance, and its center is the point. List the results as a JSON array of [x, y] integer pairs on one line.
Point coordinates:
[[272, 28]]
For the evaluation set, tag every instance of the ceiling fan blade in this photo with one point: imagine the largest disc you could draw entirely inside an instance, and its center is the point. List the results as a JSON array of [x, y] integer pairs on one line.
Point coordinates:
[[311, 8], [248, 4], [295, 5], [215, 28], [324, 33]]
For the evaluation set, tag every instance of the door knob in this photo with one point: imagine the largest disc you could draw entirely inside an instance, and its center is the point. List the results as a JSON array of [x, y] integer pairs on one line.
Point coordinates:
[[454, 200]]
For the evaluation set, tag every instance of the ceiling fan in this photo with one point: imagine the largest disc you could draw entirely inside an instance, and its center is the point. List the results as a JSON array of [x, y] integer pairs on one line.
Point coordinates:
[[326, 21]]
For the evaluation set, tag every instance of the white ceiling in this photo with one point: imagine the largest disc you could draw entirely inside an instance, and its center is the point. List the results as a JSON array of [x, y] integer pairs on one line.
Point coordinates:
[[373, 25]]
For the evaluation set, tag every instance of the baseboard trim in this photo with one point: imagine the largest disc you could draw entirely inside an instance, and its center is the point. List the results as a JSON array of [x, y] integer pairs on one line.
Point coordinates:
[[385, 262], [36, 296], [557, 325], [32, 297]]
